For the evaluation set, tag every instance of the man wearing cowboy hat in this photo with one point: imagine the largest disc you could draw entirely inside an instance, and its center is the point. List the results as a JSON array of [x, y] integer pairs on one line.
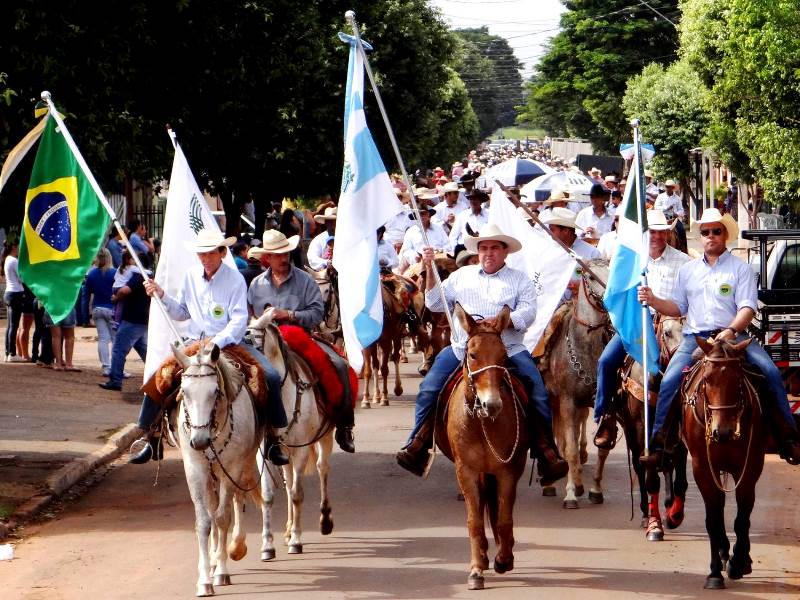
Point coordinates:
[[294, 297], [669, 202], [484, 289], [662, 271], [558, 199], [595, 175], [651, 189], [413, 243], [561, 223], [397, 226], [467, 183], [213, 299], [448, 208], [717, 294], [318, 245], [476, 217], [595, 220]]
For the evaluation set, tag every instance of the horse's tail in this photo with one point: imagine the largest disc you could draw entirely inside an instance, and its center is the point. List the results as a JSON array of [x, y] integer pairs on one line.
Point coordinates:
[[492, 502]]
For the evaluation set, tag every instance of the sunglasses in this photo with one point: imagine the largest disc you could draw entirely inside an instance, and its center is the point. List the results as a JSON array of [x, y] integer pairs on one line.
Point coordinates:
[[713, 230]]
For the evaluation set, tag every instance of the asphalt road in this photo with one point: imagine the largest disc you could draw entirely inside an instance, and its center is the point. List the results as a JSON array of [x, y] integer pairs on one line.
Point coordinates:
[[396, 536]]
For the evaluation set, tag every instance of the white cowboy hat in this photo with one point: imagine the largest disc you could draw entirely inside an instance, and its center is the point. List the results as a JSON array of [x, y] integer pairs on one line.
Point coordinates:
[[450, 186], [463, 257], [560, 216], [712, 215], [494, 233], [610, 179], [208, 240], [329, 215], [556, 195], [274, 242], [656, 221], [648, 173], [670, 183], [594, 170]]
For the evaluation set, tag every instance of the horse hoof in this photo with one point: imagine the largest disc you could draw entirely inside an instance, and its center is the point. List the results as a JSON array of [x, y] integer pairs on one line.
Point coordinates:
[[385, 401], [238, 552], [549, 491], [365, 404], [224, 579], [579, 491], [501, 567], [714, 583], [403, 359], [674, 521], [475, 582], [655, 536], [398, 391], [325, 525], [295, 548], [268, 554], [596, 497], [570, 504], [737, 570], [204, 590]]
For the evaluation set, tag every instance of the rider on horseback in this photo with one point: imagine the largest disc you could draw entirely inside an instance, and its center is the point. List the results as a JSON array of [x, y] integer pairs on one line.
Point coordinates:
[[483, 290], [213, 300], [295, 298], [717, 293], [662, 271]]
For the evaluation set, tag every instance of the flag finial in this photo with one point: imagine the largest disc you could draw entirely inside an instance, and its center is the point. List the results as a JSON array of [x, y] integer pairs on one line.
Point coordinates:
[[45, 96]]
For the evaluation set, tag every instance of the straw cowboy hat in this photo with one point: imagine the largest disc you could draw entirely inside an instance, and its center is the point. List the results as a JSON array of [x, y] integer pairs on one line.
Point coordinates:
[[494, 233], [208, 240], [463, 257], [670, 183], [426, 194], [451, 186], [329, 215], [274, 242], [556, 195], [712, 215], [656, 221], [561, 216]]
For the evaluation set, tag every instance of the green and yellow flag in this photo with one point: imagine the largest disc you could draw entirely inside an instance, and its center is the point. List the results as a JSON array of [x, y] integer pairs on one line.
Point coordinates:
[[64, 226]]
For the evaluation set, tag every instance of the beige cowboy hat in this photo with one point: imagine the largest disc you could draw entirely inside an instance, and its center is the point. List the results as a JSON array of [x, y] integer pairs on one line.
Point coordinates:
[[595, 171], [254, 252], [560, 216], [463, 257], [494, 233], [656, 221], [670, 183], [426, 194], [208, 240], [712, 215], [450, 186], [557, 195], [648, 173], [274, 242], [329, 215]]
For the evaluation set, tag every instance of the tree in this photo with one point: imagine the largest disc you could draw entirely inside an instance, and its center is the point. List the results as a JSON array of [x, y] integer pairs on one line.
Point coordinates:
[[580, 80]]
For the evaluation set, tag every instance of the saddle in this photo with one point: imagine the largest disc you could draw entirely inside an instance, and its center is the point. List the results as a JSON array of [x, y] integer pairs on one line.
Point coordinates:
[[163, 384], [553, 327], [633, 387], [402, 297]]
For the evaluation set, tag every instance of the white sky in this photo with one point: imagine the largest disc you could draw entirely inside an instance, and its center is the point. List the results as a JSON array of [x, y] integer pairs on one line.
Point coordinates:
[[526, 24]]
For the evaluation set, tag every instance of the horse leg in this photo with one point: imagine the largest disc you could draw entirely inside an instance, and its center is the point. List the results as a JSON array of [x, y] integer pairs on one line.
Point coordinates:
[[571, 455], [715, 526], [654, 528], [202, 526], [222, 523], [386, 354], [740, 563], [237, 549], [288, 479], [366, 375], [504, 529], [324, 448], [584, 455], [680, 484], [398, 386], [376, 370], [474, 501], [268, 498], [596, 491], [299, 461]]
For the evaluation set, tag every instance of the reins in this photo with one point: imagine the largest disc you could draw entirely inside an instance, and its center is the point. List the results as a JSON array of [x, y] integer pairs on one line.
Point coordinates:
[[595, 302]]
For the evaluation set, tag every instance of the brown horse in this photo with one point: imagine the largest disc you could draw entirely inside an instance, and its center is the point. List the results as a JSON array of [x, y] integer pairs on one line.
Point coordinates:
[[482, 428], [724, 431], [630, 413]]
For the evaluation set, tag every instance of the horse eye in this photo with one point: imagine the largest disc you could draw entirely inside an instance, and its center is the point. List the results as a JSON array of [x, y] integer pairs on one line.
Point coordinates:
[[473, 356]]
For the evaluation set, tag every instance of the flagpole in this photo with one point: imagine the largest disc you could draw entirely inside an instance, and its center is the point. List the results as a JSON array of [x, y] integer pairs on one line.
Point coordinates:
[[640, 208], [102, 197], [351, 17]]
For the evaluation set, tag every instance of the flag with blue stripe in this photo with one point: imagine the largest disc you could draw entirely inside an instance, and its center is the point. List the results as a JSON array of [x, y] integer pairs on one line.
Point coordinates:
[[366, 202], [629, 260]]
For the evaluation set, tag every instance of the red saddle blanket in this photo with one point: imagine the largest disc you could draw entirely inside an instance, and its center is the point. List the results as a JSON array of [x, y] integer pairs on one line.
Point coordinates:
[[321, 365]]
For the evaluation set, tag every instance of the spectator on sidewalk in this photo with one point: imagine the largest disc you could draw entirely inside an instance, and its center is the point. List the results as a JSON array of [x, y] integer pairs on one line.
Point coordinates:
[[14, 297], [99, 283], [114, 246], [42, 347], [25, 324], [62, 336]]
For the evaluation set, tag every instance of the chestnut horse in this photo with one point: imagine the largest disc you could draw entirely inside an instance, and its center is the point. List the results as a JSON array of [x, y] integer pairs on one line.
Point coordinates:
[[630, 413], [378, 354], [724, 432], [483, 429]]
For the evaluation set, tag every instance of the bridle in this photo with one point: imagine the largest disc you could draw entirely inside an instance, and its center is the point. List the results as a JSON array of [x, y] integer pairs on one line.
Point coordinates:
[[596, 302]]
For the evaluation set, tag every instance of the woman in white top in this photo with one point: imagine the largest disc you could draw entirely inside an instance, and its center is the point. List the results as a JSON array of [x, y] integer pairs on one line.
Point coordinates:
[[14, 298]]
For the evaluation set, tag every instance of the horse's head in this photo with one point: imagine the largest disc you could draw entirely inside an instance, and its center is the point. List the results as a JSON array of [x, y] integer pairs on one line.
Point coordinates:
[[200, 391], [670, 336], [266, 336], [589, 307], [484, 363], [722, 386]]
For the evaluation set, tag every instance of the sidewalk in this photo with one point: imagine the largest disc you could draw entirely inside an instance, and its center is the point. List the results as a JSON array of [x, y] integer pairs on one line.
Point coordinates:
[[56, 427]]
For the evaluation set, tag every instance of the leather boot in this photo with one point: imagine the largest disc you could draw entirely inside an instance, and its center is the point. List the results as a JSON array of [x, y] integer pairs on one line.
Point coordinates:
[[414, 457], [153, 450], [275, 453], [786, 438], [550, 465], [655, 458], [344, 428], [606, 436]]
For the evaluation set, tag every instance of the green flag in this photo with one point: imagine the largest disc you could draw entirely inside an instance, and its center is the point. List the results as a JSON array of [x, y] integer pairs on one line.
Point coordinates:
[[64, 225]]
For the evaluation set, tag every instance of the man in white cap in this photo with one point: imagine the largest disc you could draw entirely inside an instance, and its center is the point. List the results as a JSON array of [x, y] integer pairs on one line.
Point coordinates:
[[448, 208], [294, 298], [662, 271], [484, 289], [213, 298], [317, 247], [717, 294]]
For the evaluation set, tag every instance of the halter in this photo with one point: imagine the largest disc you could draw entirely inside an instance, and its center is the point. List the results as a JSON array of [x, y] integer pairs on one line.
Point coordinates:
[[211, 423], [596, 302]]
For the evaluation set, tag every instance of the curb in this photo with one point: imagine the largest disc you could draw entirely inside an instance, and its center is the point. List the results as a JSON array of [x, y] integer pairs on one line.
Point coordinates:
[[70, 474]]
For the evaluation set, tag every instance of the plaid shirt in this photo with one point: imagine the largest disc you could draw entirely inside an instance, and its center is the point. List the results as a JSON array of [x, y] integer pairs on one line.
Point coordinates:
[[662, 272]]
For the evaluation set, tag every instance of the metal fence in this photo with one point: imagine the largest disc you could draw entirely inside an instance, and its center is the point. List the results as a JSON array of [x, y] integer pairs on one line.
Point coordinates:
[[153, 219]]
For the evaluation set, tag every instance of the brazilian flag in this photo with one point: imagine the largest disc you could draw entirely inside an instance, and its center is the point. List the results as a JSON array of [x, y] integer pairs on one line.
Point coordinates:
[[64, 226]]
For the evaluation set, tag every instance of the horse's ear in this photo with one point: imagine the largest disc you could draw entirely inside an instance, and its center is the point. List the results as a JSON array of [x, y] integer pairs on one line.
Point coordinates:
[[467, 322], [503, 319], [741, 346], [213, 355], [704, 344], [180, 355]]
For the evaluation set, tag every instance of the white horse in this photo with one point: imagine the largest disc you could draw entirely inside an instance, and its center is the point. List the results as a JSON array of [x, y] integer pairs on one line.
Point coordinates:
[[219, 437], [308, 437]]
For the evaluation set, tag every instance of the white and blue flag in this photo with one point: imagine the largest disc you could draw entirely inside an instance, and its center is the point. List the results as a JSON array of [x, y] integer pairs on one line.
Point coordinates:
[[630, 257], [366, 202]]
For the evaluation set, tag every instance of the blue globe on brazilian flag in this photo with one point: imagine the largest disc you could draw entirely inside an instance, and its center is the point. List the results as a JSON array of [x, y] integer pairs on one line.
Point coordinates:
[[64, 226]]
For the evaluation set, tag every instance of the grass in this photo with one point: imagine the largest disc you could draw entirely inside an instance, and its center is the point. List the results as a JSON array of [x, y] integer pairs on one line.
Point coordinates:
[[519, 133]]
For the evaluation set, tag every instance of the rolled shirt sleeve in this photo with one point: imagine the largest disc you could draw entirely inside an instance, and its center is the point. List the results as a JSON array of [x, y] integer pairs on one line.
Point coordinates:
[[746, 295]]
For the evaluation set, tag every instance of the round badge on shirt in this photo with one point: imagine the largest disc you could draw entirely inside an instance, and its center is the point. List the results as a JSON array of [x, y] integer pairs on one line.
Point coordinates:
[[217, 311], [725, 289]]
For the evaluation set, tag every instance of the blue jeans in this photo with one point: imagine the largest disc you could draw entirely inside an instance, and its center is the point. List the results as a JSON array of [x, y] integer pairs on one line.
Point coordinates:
[[129, 335], [14, 313], [756, 355], [446, 362], [610, 361], [105, 334], [276, 415]]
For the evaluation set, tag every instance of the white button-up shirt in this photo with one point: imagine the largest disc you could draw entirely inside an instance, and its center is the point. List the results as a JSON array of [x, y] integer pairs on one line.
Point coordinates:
[[387, 257], [671, 205], [587, 218], [608, 244], [484, 295], [443, 212], [316, 248], [662, 272], [463, 218], [413, 242], [397, 226], [710, 296], [216, 307]]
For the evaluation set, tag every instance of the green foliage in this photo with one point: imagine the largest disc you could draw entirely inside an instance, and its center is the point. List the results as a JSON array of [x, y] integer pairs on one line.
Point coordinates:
[[670, 104], [579, 83]]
